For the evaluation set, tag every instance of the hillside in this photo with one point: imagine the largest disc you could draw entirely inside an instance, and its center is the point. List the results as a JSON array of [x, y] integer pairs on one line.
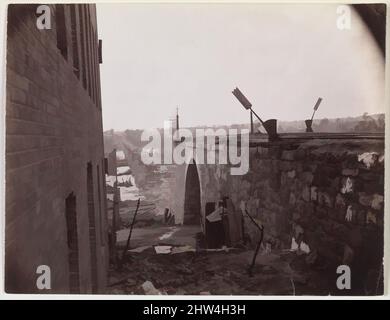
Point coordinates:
[[131, 139]]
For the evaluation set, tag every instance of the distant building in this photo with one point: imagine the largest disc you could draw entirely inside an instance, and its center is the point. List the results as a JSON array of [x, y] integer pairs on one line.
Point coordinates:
[[55, 181]]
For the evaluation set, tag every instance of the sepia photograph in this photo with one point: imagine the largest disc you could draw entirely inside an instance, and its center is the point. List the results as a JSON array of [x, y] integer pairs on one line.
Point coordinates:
[[194, 149]]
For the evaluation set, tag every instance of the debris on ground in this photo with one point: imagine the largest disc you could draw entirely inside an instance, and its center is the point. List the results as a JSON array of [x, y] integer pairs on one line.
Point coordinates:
[[163, 249], [216, 272], [149, 288], [182, 249], [139, 249]]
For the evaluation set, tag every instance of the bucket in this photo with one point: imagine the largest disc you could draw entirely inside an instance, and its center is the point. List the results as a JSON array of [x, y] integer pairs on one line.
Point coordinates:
[[271, 127], [309, 123]]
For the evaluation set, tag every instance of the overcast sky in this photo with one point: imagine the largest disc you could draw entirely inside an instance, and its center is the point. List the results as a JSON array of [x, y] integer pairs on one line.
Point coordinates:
[[283, 57]]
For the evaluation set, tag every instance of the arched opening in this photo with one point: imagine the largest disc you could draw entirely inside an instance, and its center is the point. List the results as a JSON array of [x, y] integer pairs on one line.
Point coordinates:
[[192, 207], [73, 245]]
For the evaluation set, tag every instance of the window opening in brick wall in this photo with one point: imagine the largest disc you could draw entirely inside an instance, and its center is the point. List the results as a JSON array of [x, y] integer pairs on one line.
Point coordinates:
[[62, 44], [75, 45], [72, 240]]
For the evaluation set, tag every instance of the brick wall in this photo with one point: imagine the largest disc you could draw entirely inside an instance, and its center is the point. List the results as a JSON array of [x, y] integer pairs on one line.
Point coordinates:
[[53, 130]]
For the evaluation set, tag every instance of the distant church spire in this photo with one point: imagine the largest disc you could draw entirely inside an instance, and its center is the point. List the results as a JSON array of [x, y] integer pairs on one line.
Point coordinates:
[[177, 118]]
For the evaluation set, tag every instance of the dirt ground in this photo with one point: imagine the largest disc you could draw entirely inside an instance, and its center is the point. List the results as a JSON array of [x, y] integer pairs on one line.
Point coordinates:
[[197, 272]]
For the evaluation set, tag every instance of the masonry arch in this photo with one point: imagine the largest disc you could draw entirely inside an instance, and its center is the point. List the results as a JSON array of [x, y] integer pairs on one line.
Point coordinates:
[[192, 195]]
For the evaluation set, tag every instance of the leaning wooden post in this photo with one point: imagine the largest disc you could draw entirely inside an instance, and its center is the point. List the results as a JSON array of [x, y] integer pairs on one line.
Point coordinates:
[[261, 228], [115, 210], [131, 229]]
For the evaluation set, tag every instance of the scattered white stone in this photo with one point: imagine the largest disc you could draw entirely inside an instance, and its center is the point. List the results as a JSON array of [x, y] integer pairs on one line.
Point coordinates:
[[120, 155], [349, 213], [122, 170], [139, 249], [347, 187], [294, 245], [215, 215], [204, 293], [377, 202], [163, 249], [182, 249], [304, 247], [291, 174], [149, 288], [126, 178], [368, 158], [130, 193], [168, 234], [110, 180]]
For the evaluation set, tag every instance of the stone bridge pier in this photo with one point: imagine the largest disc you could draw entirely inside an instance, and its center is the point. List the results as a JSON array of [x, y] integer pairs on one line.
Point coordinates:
[[323, 194]]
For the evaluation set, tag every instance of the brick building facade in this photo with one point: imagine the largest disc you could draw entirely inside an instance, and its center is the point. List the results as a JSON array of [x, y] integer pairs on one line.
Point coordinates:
[[55, 185]]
